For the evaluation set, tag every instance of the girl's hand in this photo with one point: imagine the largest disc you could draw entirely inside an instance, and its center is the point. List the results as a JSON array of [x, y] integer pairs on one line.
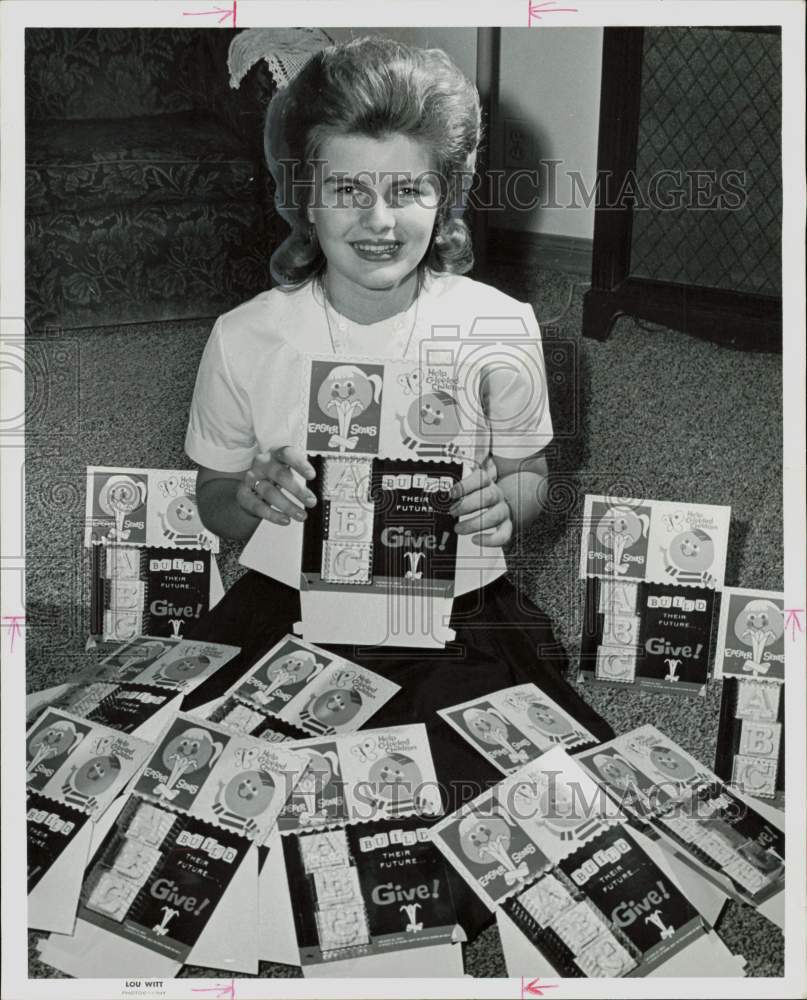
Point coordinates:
[[269, 485], [479, 494]]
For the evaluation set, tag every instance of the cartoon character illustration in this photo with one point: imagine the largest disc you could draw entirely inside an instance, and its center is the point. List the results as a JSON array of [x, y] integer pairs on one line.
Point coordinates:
[[489, 727], [619, 528], [486, 840], [413, 925], [242, 798], [431, 424], [321, 770], [58, 739], [168, 914], [671, 763], [331, 710], [414, 559], [179, 673], [119, 496], [366, 751], [552, 806], [410, 382], [677, 773], [759, 624], [621, 777], [140, 655], [689, 556], [551, 723], [345, 393], [657, 920], [298, 667], [84, 785], [394, 779], [181, 523], [187, 753]]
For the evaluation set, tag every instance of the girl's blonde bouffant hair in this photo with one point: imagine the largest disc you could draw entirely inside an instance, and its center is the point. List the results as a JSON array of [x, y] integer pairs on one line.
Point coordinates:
[[373, 87]]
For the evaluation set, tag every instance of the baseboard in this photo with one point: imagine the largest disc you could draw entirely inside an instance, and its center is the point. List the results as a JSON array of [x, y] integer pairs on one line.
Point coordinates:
[[570, 254]]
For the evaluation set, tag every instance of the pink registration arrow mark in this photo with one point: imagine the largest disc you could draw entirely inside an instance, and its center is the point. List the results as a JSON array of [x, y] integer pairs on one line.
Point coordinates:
[[224, 11], [538, 10], [534, 987], [228, 990], [15, 623], [793, 621]]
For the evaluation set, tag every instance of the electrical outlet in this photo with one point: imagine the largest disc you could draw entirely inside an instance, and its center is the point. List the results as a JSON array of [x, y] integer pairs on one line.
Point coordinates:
[[517, 143]]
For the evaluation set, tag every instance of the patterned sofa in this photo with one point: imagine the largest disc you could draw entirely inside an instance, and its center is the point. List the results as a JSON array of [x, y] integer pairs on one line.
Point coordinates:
[[146, 194]]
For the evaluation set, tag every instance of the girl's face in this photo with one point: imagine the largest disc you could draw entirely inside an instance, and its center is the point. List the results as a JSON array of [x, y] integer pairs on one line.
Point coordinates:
[[374, 208]]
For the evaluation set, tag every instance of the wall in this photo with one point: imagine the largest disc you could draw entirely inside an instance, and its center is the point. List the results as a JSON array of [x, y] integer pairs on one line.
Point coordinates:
[[550, 85], [550, 82], [459, 43]]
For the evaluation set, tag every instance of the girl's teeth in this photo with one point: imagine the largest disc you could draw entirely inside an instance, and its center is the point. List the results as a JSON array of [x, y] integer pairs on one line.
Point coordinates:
[[376, 250]]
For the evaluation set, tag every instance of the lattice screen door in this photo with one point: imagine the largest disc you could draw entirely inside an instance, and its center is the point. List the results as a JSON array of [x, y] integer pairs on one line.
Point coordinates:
[[688, 218]]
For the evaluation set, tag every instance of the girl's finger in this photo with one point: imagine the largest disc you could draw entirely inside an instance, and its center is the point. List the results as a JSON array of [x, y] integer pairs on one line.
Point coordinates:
[[486, 497], [282, 476], [272, 495], [499, 536], [491, 517], [475, 481], [252, 504], [296, 459]]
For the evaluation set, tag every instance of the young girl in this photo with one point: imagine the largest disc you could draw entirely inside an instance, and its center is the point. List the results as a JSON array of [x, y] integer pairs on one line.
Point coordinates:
[[372, 147]]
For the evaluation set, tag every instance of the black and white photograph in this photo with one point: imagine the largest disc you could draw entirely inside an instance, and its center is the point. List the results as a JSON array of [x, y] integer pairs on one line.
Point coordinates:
[[465, 352]]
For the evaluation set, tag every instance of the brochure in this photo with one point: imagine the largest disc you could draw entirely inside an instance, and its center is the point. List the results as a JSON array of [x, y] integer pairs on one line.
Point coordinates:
[[514, 725]]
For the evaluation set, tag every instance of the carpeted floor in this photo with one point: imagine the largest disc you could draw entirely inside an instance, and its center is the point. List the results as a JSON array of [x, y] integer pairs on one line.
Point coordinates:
[[660, 413]]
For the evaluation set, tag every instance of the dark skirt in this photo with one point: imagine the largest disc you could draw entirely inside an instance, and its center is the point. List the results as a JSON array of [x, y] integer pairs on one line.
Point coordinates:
[[502, 639]]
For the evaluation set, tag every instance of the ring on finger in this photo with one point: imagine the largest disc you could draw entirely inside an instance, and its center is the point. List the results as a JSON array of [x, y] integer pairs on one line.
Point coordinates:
[[256, 486]]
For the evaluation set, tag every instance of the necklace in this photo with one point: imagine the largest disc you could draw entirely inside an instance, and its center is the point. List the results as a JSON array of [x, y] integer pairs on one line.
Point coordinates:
[[327, 306]]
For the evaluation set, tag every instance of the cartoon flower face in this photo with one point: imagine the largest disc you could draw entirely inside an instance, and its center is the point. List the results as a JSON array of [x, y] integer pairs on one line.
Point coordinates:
[[692, 550], [185, 668], [477, 835], [622, 524], [434, 417], [547, 719], [182, 515], [759, 618], [96, 775], [194, 747], [616, 772], [671, 763], [480, 835], [249, 793], [297, 666], [57, 738], [395, 774], [336, 707], [485, 726], [343, 389], [347, 385]]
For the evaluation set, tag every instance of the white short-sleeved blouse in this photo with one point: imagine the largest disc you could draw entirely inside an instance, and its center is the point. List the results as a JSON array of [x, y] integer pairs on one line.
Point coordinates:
[[247, 395]]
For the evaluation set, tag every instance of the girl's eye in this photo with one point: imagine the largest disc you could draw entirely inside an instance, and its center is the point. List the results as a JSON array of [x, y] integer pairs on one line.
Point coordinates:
[[346, 189]]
